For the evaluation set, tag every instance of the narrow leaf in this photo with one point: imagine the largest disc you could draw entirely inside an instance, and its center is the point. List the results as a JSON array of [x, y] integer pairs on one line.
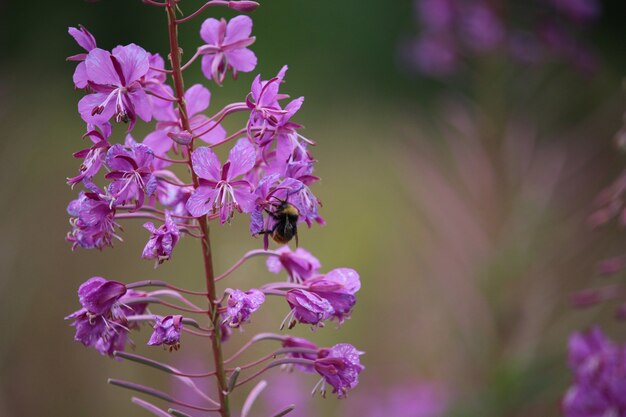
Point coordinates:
[[177, 413], [149, 407], [144, 361], [252, 397], [285, 411], [141, 388]]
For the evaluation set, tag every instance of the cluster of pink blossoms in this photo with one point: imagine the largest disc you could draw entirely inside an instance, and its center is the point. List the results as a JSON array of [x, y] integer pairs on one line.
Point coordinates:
[[266, 176], [598, 364], [455, 31]]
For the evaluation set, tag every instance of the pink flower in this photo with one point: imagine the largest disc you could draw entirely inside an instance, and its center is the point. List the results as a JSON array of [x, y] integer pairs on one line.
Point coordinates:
[[167, 332], [85, 40], [115, 78], [131, 173], [219, 191], [241, 305], [227, 47], [162, 240], [340, 366], [308, 308], [338, 287], [299, 264]]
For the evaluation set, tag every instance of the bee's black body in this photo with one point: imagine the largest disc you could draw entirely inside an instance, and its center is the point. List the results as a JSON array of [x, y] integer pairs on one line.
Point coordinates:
[[286, 226]]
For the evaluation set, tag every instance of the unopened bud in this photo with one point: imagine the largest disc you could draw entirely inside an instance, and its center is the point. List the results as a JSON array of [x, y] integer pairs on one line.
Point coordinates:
[[243, 6], [182, 138]]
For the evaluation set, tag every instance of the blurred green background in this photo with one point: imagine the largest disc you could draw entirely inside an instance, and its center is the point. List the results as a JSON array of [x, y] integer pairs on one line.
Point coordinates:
[[461, 202]]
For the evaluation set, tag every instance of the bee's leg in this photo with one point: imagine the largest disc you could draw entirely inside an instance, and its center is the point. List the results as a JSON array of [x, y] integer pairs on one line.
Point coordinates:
[[295, 232], [272, 215]]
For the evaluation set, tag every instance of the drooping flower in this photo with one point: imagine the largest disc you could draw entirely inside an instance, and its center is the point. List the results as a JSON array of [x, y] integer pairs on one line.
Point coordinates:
[[100, 296], [299, 264], [93, 221], [93, 157], [167, 332], [102, 322], [88, 328], [219, 190], [298, 342], [308, 308], [131, 173], [86, 41], [241, 305], [115, 79], [162, 240], [338, 287], [340, 367], [113, 339], [227, 47]]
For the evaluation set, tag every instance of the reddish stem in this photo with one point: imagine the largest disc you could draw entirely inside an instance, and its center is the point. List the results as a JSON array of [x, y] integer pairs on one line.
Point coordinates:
[[174, 161], [179, 88], [201, 9]]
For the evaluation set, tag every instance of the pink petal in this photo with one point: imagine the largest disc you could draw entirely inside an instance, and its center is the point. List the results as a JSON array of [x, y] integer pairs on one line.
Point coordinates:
[[134, 60], [210, 30], [215, 135], [201, 201], [245, 199], [238, 28], [83, 38], [256, 87], [80, 76], [346, 277], [206, 64], [205, 164], [142, 104], [243, 60], [159, 142], [197, 98], [87, 103], [242, 158], [100, 68], [293, 106]]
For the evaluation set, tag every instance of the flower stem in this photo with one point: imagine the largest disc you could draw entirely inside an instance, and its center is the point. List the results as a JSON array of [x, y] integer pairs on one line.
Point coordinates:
[[179, 89]]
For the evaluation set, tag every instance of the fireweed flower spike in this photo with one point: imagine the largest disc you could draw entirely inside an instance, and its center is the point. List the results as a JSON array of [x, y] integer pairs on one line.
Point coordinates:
[[174, 184]]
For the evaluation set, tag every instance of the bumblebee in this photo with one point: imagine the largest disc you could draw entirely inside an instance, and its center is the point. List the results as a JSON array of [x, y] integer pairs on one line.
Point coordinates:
[[286, 226]]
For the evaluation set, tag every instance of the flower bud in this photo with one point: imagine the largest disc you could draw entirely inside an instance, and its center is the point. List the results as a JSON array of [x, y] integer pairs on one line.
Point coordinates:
[[182, 138], [243, 6]]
